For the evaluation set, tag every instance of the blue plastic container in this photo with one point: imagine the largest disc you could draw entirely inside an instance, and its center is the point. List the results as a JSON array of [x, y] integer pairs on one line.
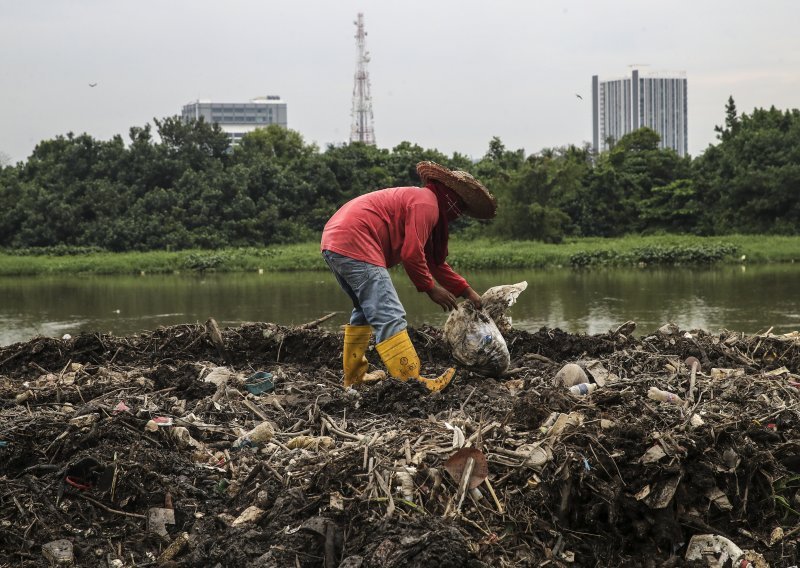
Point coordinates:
[[259, 383]]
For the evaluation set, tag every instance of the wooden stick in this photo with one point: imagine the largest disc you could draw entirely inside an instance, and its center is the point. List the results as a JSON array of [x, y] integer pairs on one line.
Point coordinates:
[[692, 380], [494, 496], [255, 409], [464, 482], [109, 509], [385, 488], [317, 321]]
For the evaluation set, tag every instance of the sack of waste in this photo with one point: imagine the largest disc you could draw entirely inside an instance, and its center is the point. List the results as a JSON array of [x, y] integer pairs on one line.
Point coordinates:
[[475, 337]]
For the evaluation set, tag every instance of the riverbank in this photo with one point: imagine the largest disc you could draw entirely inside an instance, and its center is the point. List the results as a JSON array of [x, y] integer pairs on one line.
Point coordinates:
[[669, 250]]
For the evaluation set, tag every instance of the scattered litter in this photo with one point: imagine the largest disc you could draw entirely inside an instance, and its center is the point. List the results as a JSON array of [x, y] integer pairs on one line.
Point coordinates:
[[570, 375], [158, 518], [714, 549], [475, 337], [655, 393], [583, 389], [263, 432], [259, 383], [58, 552], [311, 442], [456, 464], [250, 515]]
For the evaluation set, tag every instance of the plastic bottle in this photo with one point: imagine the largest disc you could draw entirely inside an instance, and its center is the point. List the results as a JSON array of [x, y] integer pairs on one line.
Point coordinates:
[[583, 388], [664, 396]]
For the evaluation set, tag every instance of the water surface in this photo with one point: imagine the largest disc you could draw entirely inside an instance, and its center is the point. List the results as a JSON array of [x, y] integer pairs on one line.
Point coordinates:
[[749, 299]]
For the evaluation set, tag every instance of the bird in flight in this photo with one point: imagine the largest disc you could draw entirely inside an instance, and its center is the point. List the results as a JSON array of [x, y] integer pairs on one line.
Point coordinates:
[[577, 95], [92, 84]]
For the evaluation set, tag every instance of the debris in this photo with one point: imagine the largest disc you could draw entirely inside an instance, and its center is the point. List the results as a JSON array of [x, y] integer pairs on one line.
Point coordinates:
[[583, 388], [58, 552], [714, 549], [250, 515], [456, 466], [664, 396], [718, 373], [475, 335], [311, 442], [259, 383], [599, 373], [175, 548], [570, 375], [158, 518], [614, 479], [653, 454], [258, 435]]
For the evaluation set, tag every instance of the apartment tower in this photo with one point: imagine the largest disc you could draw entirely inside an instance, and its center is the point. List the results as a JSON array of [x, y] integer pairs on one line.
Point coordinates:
[[656, 100]]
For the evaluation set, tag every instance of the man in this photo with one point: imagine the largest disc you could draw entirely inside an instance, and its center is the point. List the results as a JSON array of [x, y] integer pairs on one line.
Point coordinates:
[[407, 225]]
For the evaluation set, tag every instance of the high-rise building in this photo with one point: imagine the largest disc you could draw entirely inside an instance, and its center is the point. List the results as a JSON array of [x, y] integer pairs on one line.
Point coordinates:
[[655, 100], [237, 119]]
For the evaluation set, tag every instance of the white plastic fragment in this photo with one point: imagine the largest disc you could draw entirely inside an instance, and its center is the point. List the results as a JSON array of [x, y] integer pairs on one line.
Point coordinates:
[[696, 421], [664, 396], [714, 549], [583, 389]]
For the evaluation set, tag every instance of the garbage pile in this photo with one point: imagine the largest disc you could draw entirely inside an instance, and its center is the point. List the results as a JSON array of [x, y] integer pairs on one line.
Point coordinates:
[[194, 446]]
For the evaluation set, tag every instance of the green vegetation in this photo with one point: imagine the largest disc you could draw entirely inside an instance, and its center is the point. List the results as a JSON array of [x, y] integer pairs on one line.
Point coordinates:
[[183, 188], [464, 254]]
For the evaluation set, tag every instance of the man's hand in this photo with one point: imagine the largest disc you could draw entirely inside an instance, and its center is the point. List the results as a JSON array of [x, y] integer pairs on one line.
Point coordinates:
[[442, 297], [470, 295]]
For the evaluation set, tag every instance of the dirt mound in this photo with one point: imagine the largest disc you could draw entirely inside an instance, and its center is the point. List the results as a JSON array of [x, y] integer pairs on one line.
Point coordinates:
[[143, 450]]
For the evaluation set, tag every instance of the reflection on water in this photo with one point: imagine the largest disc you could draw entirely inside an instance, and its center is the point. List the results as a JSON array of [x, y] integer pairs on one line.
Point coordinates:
[[750, 300]]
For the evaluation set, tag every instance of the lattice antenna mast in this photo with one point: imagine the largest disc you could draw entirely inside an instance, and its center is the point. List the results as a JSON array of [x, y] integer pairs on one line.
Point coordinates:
[[363, 129]]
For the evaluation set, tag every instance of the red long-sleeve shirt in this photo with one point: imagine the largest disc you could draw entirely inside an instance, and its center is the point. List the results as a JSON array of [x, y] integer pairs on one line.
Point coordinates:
[[388, 227]]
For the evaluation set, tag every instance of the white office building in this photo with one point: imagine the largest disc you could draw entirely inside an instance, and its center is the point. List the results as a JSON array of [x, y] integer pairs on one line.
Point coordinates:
[[655, 100], [237, 119]]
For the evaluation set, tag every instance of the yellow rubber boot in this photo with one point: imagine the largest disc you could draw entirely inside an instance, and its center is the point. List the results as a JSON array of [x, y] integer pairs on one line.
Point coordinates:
[[355, 364], [401, 359]]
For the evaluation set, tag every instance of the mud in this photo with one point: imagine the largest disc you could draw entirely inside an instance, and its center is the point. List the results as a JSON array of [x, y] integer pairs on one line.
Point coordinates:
[[627, 482]]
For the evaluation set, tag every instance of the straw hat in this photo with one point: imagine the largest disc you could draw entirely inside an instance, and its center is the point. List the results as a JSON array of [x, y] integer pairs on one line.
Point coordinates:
[[479, 202]]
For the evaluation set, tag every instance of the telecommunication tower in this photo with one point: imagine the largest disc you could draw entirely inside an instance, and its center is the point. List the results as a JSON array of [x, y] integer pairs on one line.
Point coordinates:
[[363, 129]]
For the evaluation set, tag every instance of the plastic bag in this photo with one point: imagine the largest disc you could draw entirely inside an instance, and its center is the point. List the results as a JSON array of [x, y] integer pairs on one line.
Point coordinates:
[[474, 336]]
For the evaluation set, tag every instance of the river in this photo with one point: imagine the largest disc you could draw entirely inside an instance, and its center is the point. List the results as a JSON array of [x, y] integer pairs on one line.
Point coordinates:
[[742, 298]]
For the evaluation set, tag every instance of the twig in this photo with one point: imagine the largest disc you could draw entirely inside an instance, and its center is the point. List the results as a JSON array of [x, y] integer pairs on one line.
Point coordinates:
[[255, 409], [494, 496], [385, 489], [318, 321], [464, 482], [109, 509], [692, 380]]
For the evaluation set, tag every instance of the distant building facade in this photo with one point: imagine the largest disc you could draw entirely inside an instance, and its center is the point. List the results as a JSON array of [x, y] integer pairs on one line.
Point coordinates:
[[656, 100], [237, 119]]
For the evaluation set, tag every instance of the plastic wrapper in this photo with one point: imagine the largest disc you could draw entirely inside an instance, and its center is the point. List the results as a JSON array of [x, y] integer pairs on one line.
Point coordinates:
[[475, 337]]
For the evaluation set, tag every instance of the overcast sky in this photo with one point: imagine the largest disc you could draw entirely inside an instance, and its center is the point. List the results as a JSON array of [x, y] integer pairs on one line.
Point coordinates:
[[445, 74]]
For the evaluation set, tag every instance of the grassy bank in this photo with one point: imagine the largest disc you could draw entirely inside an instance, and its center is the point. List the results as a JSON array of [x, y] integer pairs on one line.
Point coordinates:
[[478, 254]]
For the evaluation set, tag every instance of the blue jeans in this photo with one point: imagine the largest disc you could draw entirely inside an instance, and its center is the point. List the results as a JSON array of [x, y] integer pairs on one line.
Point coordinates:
[[370, 287]]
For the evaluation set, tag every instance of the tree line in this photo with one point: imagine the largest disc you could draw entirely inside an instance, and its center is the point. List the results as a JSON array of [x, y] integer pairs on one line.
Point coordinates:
[[183, 186]]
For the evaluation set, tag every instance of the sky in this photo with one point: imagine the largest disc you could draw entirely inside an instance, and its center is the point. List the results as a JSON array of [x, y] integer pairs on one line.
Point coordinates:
[[445, 74]]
